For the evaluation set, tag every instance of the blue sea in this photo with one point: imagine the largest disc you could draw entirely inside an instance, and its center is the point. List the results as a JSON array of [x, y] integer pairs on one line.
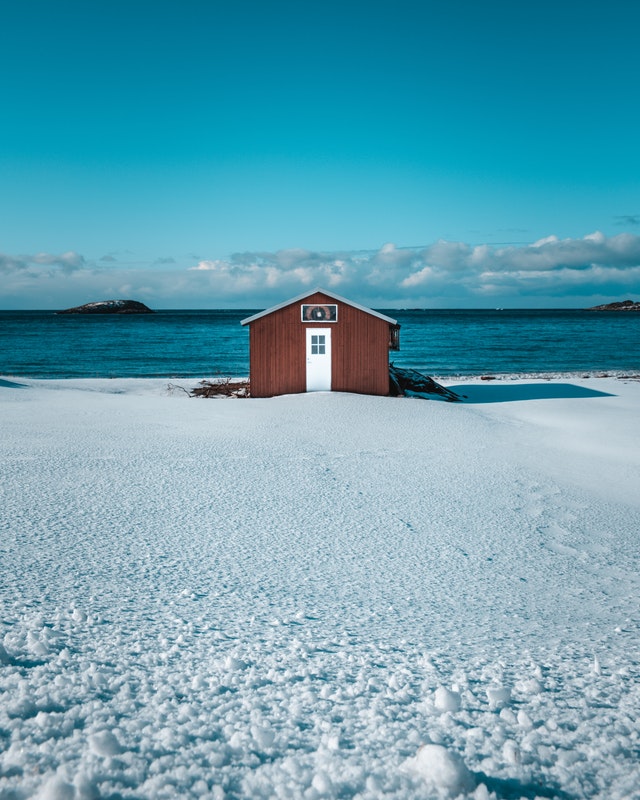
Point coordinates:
[[443, 343]]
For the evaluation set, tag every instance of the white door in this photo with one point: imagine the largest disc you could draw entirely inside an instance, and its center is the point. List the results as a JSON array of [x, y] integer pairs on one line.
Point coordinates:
[[318, 359]]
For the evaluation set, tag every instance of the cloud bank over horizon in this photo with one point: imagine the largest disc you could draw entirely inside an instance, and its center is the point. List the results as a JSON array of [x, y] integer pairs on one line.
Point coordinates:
[[551, 272]]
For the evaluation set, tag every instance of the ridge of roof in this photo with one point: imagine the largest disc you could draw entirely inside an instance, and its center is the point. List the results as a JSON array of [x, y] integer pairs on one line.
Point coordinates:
[[334, 296]]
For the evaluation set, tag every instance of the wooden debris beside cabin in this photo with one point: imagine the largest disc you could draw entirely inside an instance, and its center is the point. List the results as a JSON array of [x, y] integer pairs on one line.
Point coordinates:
[[411, 383], [225, 387]]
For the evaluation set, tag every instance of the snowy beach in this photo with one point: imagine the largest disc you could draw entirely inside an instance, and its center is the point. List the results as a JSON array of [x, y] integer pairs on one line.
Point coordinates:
[[320, 595]]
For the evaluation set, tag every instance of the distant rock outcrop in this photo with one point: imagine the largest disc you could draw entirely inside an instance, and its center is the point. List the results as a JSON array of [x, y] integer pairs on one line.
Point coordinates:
[[109, 307], [622, 305]]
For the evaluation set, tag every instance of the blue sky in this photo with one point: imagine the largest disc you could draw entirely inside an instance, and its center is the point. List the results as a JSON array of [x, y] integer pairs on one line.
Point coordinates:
[[212, 154]]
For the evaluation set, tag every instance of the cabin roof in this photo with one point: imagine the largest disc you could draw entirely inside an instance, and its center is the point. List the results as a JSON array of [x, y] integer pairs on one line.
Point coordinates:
[[334, 296]]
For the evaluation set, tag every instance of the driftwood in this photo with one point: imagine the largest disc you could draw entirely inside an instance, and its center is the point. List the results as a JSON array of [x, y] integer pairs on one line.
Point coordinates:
[[410, 382], [224, 387]]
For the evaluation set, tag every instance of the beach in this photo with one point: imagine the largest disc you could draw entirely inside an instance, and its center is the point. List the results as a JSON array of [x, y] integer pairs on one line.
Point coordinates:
[[320, 595]]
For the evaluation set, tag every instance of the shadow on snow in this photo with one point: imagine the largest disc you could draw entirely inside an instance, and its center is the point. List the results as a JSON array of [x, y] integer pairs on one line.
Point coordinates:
[[5, 384], [512, 789], [505, 393]]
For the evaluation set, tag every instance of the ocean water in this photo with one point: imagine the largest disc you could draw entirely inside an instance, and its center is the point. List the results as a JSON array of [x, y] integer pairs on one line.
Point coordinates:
[[442, 343]]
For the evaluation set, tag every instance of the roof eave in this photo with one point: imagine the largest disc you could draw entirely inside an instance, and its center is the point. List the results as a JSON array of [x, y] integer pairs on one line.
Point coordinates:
[[334, 296]]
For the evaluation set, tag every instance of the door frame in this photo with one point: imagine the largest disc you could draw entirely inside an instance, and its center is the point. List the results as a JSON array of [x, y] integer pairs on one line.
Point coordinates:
[[318, 365]]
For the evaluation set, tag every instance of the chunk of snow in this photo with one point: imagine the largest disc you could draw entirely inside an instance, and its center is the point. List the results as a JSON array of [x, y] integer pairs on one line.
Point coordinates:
[[264, 737], [56, 789], [5, 658], [322, 783], [446, 700], [498, 696], [524, 720], [234, 664], [36, 645], [105, 744], [443, 770], [511, 752], [508, 716]]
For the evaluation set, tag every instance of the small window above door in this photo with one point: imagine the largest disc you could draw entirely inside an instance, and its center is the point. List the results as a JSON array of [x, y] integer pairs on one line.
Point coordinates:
[[319, 313]]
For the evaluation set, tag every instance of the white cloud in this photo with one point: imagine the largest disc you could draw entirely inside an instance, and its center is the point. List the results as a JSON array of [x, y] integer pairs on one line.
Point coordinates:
[[551, 271], [545, 241], [12, 264], [447, 269], [67, 262], [417, 278]]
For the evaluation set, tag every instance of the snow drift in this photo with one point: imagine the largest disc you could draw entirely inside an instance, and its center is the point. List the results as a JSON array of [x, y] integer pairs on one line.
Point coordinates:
[[319, 595]]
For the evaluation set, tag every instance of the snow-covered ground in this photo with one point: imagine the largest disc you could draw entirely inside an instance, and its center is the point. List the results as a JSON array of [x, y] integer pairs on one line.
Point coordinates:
[[322, 595]]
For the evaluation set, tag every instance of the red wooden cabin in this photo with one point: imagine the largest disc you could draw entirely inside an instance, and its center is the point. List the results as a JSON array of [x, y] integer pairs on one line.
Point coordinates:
[[320, 341]]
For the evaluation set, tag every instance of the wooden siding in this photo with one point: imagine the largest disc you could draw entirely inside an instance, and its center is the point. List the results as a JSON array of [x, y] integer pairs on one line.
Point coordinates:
[[359, 342]]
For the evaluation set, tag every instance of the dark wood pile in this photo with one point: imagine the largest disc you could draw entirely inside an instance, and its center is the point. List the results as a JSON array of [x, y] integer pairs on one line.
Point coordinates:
[[224, 387], [410, 382]]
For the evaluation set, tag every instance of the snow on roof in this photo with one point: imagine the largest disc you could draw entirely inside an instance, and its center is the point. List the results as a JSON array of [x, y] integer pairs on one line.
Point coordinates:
[[334, 296]]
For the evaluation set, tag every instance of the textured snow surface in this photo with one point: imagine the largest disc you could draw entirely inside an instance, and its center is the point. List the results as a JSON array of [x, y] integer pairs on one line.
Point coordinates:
[[319, 596]]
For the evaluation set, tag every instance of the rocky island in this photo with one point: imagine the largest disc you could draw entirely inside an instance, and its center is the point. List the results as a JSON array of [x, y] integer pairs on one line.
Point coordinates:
[[110, 307], [622, 305]]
